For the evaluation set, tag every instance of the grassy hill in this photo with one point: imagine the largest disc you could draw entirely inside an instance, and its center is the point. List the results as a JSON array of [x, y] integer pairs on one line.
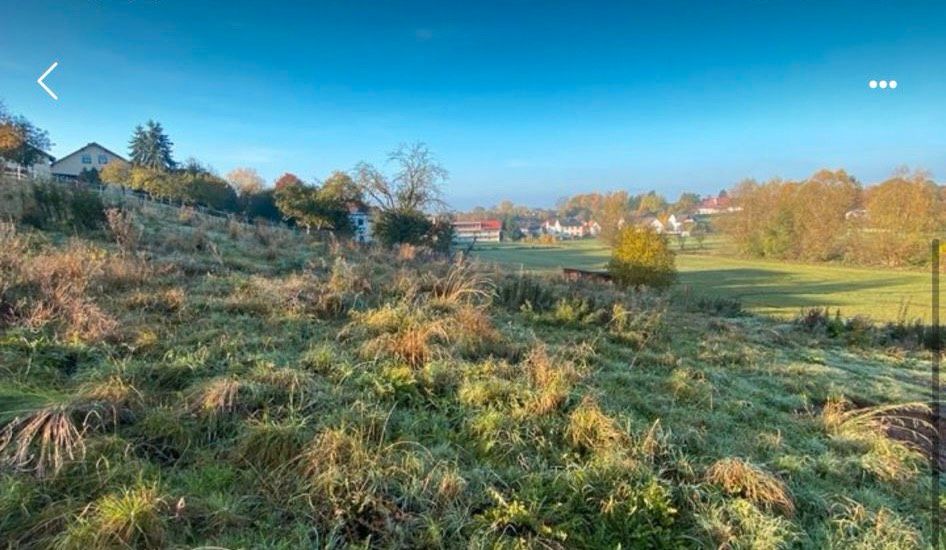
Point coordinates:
[[170, 380], [772, 287]]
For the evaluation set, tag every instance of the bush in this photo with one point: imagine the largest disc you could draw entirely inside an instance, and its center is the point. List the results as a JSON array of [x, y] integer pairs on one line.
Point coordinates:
[[398, 227], [49, 205], [641, 257]]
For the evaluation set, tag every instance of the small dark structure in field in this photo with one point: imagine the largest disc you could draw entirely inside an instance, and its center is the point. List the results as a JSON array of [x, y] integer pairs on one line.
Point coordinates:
[[572, 274]]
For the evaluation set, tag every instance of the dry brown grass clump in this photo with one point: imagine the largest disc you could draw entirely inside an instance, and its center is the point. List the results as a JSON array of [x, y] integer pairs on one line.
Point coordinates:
[[737, 477], [552, 379], [42, 440], [54, 287], [216, 397], [591, 430], [121, 224], [462, 283]]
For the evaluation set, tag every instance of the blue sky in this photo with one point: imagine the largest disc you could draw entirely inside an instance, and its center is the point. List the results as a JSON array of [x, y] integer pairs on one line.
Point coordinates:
[[522, 100]]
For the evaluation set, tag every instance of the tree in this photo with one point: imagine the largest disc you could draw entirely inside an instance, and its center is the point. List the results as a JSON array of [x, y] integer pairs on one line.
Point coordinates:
[[699, 232], [152, 148], [902, 213], [286, 179], [612, 215], [116, 173], [246, 181], [414, 187], [641, 257], [402, 227], [90, 176], [261, 205], [157, 184], [651, 203], [201, 186], [21, 142], [686, 203], [340, 187], [309, 206]]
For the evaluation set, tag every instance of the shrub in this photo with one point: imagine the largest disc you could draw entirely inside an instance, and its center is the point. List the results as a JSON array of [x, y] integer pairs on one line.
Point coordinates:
[[48, 205], [397, 227], [641, 257]]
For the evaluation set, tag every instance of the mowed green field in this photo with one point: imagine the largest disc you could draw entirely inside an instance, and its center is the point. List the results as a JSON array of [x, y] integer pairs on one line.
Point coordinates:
[[771, 287]]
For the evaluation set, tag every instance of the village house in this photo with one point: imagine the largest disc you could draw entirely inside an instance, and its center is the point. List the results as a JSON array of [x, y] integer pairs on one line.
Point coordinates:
[[477, 231], [671, 226], [569, 228], [716, 205], [89, 157]]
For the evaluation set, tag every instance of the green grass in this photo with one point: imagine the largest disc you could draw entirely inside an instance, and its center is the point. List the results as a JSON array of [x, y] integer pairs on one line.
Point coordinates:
[[222, 386], [770, 287]]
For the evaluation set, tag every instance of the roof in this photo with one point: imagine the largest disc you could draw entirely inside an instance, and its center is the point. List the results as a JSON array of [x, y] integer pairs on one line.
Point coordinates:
[[481, 225], [86, 146]]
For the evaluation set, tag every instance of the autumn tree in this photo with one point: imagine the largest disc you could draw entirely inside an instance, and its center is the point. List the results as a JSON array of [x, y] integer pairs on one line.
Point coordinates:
[[116, 172], [245, 181], [902, 214], [641, 257], [651, 203], [308, 206], [21, 142], [612, 215]]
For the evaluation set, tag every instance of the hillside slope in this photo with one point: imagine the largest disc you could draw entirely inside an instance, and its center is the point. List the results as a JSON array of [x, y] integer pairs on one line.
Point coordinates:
[[174, 380]]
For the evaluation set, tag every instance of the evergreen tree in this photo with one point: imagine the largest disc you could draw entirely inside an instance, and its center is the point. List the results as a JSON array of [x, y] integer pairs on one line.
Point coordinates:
[[151, 147]]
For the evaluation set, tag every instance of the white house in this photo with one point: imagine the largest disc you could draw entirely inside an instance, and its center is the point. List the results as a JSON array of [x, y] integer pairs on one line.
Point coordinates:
[[91, 156], [570, 228]]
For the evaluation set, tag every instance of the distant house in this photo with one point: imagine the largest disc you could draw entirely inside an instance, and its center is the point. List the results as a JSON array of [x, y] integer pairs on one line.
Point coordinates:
[[530, 227], [361, 224], [569, 228], [716, 205], [39, 169], [477, 230], [672, 225], [592, 228], [91, 156]]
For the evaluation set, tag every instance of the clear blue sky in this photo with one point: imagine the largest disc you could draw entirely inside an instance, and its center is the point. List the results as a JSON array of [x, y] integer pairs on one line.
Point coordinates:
[[522, 100]]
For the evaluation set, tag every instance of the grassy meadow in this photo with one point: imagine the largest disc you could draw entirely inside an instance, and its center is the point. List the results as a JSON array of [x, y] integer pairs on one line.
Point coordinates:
[[772, 287], [169, 380]]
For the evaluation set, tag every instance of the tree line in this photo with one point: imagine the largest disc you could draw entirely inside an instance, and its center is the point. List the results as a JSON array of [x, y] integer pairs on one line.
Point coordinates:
[[831, 216]]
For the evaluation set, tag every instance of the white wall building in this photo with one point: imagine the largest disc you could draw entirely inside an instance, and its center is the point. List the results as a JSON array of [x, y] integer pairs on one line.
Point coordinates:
[[88, 157], [477, 231], [361, 226]]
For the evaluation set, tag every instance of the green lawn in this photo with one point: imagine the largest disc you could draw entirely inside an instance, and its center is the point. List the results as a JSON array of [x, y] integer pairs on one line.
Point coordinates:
[[772, 287]]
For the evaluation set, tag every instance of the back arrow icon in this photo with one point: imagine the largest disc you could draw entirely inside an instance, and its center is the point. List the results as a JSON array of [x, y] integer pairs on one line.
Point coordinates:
[[43, 84]]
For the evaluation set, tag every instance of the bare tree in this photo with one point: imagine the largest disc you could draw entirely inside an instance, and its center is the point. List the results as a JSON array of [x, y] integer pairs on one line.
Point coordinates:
[[415, 186]]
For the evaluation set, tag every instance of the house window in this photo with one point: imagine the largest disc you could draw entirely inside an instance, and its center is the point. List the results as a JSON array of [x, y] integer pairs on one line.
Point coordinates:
[[103, 159], [86, 159]]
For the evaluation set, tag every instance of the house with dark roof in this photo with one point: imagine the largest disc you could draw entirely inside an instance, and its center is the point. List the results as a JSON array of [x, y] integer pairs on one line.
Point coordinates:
[[90, 157]]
